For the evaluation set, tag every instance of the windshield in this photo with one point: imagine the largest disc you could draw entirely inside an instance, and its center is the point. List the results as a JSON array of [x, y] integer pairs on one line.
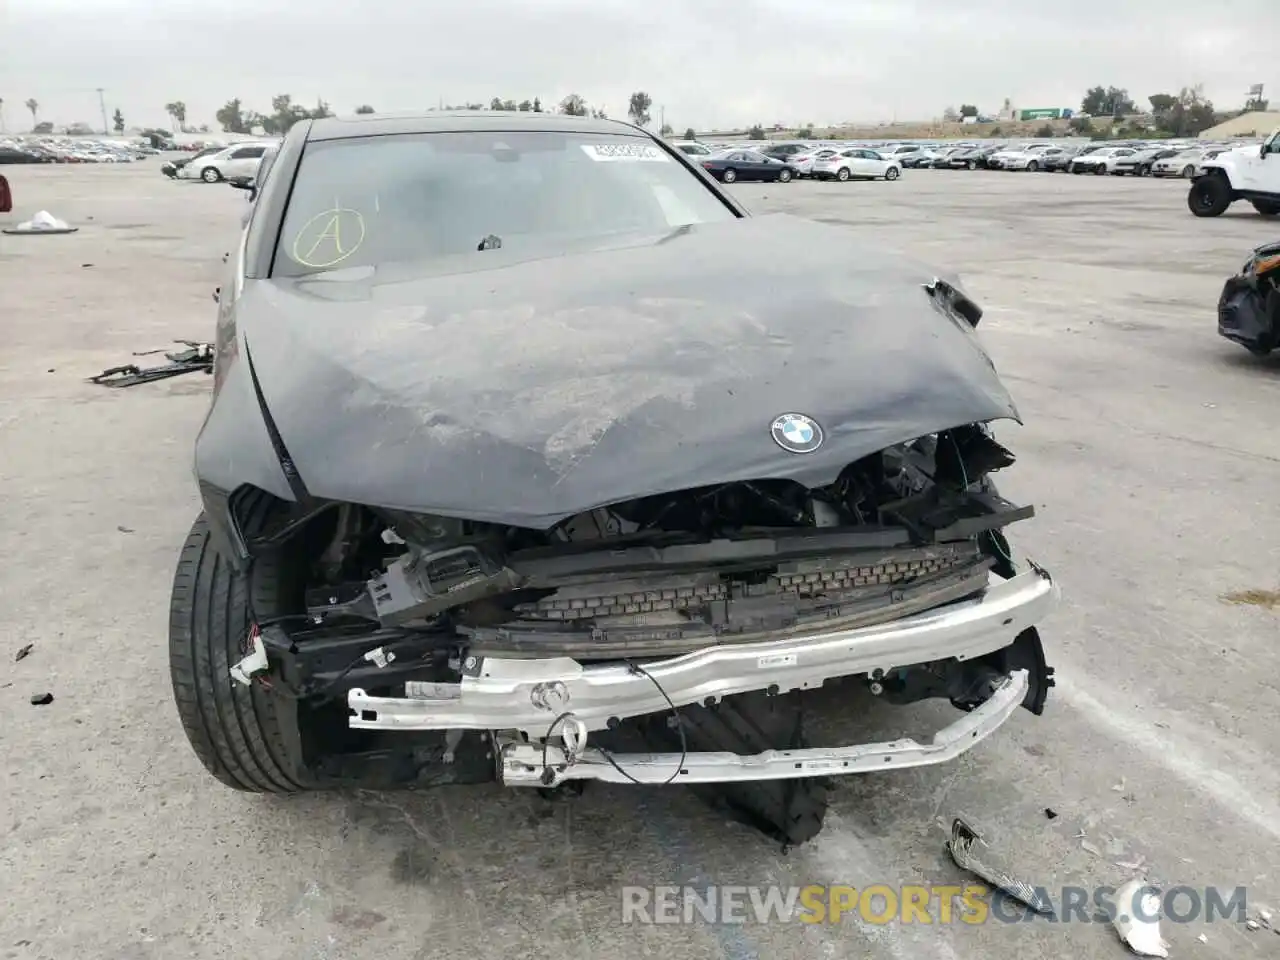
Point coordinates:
[[372, 200]]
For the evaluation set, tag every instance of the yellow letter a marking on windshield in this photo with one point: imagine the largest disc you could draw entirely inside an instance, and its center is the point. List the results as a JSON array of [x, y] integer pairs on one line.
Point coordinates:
[[331, 233]]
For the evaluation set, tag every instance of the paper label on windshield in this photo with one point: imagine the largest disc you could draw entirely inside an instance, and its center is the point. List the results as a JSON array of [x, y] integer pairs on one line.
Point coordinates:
[[625, 153]]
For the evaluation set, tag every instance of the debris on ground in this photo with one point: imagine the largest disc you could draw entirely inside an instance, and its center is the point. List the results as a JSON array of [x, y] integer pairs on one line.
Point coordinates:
[[42, 222], [1251, 924], [1051, 813], [24, 651], [1202, 938], [1141, 933], [41, 699], [198, 356], [963, 849]]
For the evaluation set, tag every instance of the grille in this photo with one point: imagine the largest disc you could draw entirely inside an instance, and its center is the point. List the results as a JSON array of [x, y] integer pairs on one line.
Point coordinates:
[[802, 580]]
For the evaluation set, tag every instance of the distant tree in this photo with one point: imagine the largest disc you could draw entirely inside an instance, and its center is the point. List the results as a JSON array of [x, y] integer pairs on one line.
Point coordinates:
[[1162, 103], [666, 131], [321, 111], [638, 108], [1107, 101], [525, 106], [495, 103], [968, 110], [285, 113], [1255, 105], [1045, 132], [997, 132], [1191, 114], [178, 111], [950, 115], [756, 132], [365, 108], [599, 114], [509, 106], [231, 117], [537, 105], [34, 106], [689, 134], [805, 133], [1081, 125], [573, 106], [204, 128], [117, 121]]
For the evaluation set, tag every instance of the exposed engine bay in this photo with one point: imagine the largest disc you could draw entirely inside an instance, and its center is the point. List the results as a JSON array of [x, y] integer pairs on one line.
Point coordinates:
[[899, 532], [467, 651]]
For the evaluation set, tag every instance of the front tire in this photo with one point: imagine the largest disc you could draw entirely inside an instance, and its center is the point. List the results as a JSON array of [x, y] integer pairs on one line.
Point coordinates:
[[1188, 171], [971, 165], [1032, 167], [210, 175], [729, 176], [1100, 170], [1209, 196], [891, 173], [1267, 208], [236, 731], [784, 176], [842, 174]]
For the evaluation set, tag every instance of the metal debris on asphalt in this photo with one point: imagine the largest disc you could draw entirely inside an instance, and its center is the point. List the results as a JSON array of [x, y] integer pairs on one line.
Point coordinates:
[[1140, 933], [1051, 813], [197, 357], [961, 846], [41, 699], [24, 651]]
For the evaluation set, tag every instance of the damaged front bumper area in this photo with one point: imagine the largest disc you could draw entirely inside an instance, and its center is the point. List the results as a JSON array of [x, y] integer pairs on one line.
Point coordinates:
[[540, 713]]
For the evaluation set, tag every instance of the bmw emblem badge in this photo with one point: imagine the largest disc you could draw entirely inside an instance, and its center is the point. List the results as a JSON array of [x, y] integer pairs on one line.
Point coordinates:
[[796, 433]]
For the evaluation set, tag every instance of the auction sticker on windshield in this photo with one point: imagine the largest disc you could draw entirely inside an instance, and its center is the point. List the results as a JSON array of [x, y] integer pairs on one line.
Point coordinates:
[[625, 152]]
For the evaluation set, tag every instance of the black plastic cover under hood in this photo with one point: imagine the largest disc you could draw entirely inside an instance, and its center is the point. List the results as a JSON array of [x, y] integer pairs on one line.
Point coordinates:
[[526, 391]]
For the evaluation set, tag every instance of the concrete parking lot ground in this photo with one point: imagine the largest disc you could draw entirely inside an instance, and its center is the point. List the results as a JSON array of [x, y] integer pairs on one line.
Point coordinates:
[[1149, 449]]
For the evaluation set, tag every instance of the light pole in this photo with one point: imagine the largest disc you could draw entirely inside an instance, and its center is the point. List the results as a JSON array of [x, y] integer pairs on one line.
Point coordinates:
[[102, 105]]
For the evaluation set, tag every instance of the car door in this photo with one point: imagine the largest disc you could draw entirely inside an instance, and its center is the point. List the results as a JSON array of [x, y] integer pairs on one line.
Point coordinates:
[[1258, 168], [872, 164], [1117, 157], [243, 162], [756, 166]]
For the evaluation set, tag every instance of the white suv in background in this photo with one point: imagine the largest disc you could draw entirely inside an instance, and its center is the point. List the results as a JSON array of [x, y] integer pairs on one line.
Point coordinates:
[[237, 160], [856, 163]]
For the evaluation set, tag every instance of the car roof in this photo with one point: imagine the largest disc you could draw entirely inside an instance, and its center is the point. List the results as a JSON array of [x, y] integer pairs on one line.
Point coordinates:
[[453, 121]]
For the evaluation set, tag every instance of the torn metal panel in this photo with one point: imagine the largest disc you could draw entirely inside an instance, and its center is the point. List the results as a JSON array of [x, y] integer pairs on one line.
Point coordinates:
[[970, 852]]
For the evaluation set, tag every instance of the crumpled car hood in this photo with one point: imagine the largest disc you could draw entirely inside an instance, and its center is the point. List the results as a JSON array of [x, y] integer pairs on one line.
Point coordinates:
[[524, 391]]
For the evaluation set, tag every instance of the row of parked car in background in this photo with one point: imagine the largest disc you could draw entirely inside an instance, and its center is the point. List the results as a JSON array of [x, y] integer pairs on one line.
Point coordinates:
[[53, 149], [782, 161]]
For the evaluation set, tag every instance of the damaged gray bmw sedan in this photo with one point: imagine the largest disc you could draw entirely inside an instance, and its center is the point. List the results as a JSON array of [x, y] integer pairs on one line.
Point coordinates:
[[534, 458]]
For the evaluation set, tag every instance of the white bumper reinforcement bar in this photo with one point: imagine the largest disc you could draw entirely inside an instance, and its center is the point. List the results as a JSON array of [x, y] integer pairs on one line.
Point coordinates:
[[526, 695], [526, 765]]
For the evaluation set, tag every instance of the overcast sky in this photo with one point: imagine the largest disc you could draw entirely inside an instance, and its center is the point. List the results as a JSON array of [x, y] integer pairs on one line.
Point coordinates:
[[707, 62]]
